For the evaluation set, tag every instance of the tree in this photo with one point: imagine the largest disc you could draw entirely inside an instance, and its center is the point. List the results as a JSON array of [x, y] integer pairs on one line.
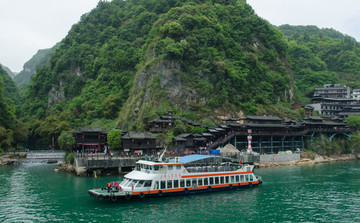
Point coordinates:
[[114, 138], [6, 138], [179, 127], [354, 121], [66, 141]]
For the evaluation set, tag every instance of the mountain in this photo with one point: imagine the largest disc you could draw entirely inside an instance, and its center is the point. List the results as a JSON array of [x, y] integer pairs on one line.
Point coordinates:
[[8, 71], [319, 56], [23, 78], [7, 107], [9, 89], [134, 60]]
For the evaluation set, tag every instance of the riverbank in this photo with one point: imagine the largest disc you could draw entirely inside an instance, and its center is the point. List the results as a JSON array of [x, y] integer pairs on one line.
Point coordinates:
[[11, 158], [310, 159]]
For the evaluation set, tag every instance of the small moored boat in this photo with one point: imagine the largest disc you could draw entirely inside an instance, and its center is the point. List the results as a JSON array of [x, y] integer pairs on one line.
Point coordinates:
[[182, 175]]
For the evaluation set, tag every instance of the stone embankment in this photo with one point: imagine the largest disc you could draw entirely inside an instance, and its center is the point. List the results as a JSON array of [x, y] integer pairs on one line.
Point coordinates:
[[9, 159], [310, 159]]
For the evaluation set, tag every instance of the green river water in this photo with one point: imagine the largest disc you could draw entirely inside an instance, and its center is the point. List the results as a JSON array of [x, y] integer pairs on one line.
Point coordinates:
[[320, 193]]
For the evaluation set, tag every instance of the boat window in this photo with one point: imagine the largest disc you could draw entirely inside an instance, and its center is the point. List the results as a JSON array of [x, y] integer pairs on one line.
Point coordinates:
[[128, 183], [221, 180], [137, 167], [125, 181], [206, 181], [188, 183], [216, 180], [169, 184], [176, 183], [147, 183], [182, 183], [211, 180], [227, 179], [170, 167], [200, 181], [133, 183], [140, 183], [156, 168], [251, 178], [247, 177], [178, 167], [232, 179], [237, 178], [194, 184], [163, 184], [242, 178], [156, 186]]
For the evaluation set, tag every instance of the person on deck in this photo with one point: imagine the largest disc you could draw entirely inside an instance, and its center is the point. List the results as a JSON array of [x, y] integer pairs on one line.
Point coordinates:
[[109, 187]]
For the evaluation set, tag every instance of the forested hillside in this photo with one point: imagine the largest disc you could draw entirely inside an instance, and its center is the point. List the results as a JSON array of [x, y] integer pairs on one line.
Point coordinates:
[[41, 58], [320, 56], [9, 88], [128, 62], [12, 131], [8, 71], [137, 59]]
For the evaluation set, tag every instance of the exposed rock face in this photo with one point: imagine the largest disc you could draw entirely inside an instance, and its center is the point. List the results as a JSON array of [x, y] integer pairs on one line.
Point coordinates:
[[160, 81], [56, 94]]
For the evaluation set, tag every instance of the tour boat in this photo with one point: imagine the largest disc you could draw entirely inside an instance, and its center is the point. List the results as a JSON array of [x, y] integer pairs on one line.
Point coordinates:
[[180, 176]]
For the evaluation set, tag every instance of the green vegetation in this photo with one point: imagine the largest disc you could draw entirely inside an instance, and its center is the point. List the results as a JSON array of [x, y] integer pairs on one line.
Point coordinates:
[[69, 157], [221, 47], [114, 139], [354, 121], [66, 141], [320, 56], [323, 146], [8, 122], [128, 62], [41, 58]]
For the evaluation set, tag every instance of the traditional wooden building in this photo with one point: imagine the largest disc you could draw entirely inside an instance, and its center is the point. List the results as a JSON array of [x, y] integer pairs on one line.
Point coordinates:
[[261, 120], [139, 143], [90, 138]]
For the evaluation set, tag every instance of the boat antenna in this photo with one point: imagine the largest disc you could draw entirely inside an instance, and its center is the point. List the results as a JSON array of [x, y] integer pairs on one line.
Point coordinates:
[[162, 155]]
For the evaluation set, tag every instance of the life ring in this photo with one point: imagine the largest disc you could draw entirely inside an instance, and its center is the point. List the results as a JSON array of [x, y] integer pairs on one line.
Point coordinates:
[[141, 195], [250, 184], [160, 193], [114, 197], [107, 197], [209, 188], [186, 190], [127, 196]]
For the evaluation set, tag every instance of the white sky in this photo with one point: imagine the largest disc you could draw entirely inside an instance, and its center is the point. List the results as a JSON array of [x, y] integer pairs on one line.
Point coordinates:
[[341, 15], [29, 25]]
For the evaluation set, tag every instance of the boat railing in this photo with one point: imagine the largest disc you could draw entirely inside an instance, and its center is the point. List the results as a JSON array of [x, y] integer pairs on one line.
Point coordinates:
[[210, 169]]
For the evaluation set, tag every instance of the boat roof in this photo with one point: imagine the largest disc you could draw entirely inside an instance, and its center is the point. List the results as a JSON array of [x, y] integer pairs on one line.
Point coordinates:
[[152, 163], [195, 157]]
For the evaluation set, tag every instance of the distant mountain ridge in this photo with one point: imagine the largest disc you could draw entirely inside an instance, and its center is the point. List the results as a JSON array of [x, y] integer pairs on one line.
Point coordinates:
[[10, 89], [8, 71], [23, 78]]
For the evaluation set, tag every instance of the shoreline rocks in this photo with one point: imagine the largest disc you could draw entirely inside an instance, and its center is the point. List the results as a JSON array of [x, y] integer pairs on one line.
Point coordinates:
[[310, 160], [9, 159]]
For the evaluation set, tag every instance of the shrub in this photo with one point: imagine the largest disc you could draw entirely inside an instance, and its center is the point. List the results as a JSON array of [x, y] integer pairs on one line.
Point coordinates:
[[69, 158]]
